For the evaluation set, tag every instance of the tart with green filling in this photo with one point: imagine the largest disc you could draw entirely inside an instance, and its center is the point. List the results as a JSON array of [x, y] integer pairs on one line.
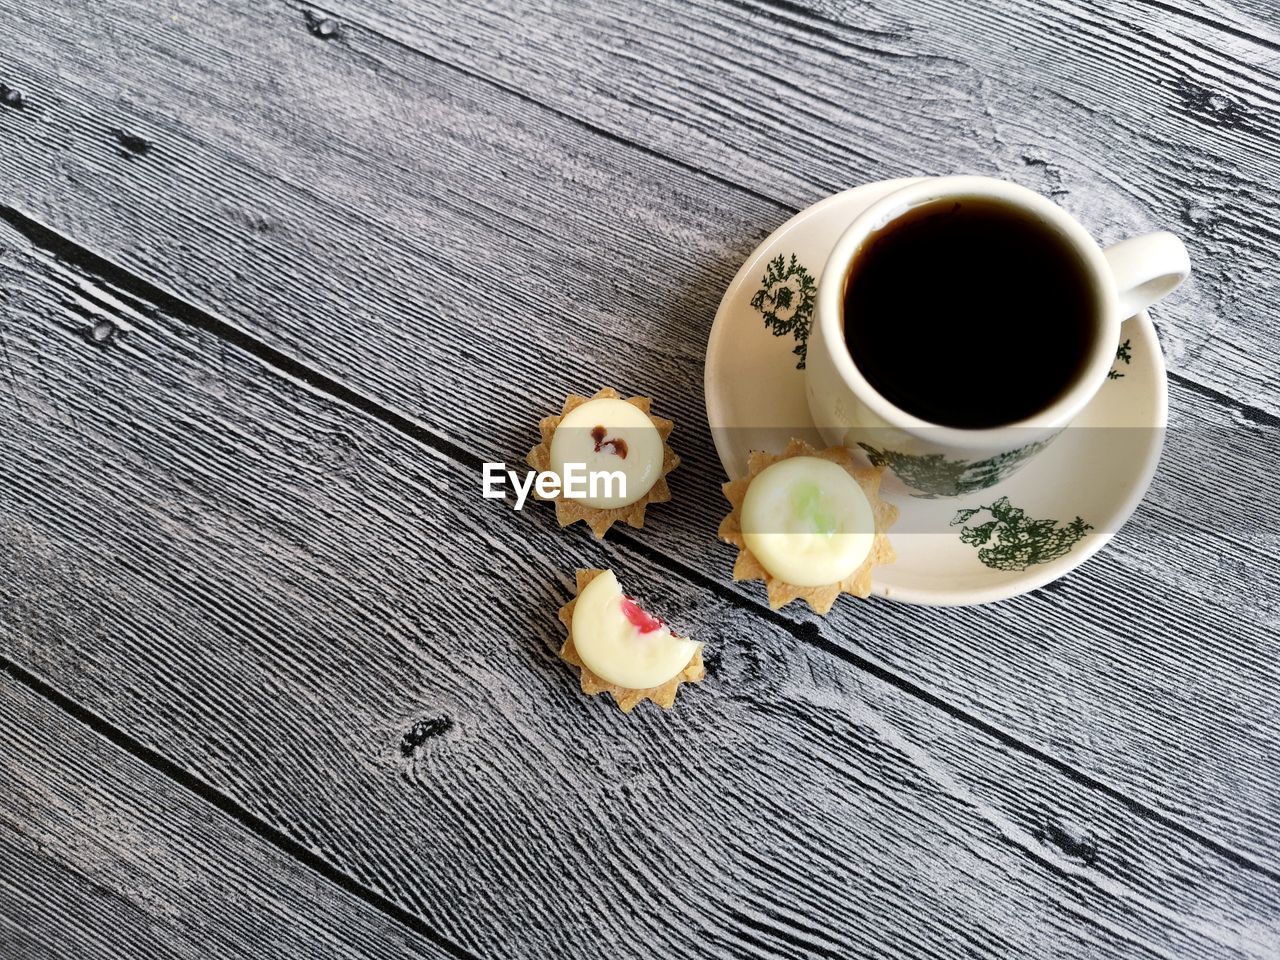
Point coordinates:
[[809, 523]]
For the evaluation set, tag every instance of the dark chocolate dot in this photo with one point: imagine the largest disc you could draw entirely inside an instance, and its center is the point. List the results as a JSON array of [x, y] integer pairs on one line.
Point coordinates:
[[617, 447]]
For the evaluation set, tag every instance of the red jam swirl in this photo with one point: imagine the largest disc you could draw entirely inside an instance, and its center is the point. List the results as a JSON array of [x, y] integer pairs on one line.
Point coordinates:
[[643, 621]]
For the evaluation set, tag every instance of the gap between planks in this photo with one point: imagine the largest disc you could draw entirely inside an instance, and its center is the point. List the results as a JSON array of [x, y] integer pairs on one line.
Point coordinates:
[[224, 804], [807, 633], [1248, 410], [555, 111]]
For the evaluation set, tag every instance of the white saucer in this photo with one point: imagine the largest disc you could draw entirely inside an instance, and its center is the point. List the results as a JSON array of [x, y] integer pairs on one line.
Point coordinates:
[[756, 400]]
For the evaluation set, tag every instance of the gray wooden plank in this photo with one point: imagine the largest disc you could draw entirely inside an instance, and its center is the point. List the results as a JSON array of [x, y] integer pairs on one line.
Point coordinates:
[[425, 236], [825, 74], [380, 217], [101, 856], [1134, 116], [274, 590]]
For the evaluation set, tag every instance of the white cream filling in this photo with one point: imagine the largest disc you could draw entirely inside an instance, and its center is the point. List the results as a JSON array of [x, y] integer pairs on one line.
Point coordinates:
[[615, 649], [642, 466], [807, 521]]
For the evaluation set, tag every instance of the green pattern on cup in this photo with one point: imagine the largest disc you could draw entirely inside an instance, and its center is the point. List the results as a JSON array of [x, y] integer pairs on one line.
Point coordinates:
[[1124, 354], [934, 475], [785, 300], [1013, 541]]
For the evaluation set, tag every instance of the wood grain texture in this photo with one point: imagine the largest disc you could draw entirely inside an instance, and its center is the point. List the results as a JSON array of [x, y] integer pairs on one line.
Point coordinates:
[[103, 857], [1133, 115], [426, 236], [309, 608]]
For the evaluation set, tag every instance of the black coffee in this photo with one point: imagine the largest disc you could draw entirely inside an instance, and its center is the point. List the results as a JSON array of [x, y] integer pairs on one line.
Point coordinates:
[[969, 313]]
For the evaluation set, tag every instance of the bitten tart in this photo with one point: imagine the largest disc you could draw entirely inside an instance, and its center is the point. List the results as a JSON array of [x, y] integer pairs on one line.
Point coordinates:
[[809, 523], [623, 650], [607, 434]]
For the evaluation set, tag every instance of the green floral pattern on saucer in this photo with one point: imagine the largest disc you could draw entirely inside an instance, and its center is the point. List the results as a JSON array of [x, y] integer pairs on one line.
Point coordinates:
[[785, 300], [1124, 354], [1013, 541], [933, 475]]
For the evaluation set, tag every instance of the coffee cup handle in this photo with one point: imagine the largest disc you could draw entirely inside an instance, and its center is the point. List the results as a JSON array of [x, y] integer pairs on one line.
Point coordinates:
[[1146, 268]]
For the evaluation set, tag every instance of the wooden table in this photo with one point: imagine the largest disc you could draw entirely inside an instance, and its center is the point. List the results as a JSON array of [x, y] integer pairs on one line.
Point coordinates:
[[276, 280]]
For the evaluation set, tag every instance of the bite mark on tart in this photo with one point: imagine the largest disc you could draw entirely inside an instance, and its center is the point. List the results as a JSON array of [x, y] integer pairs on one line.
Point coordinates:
[[622, 649], [608, 434], [809, 523]]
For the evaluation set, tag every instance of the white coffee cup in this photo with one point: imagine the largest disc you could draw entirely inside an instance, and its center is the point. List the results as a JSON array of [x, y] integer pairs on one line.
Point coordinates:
[[938, 460]]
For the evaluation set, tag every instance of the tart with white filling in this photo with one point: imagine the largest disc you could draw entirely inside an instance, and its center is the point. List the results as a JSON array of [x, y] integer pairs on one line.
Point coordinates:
[[607, 435], [809, 523], [623, 650]]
